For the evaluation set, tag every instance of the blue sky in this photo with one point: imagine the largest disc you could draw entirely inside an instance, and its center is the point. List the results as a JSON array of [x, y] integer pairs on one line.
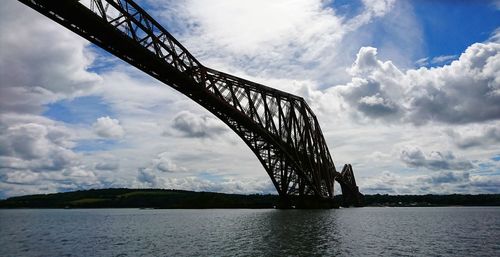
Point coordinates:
[[407, 91], [80, 110], [451, 26]]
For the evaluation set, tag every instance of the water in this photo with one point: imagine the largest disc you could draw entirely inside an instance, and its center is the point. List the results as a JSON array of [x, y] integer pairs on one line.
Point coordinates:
[[452, 231]]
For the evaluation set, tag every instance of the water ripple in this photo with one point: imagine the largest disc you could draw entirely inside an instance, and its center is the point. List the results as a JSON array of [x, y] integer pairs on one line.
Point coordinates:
[[450, 231]]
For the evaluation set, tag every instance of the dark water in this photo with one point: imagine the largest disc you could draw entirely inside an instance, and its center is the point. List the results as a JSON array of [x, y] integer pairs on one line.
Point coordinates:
[[452, 231]]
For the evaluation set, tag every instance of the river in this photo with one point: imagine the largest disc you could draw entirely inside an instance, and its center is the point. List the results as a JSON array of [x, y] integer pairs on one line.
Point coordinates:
[[377, 231]]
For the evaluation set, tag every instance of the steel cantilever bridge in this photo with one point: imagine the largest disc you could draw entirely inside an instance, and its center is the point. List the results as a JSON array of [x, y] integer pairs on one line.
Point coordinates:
[[279, 127]]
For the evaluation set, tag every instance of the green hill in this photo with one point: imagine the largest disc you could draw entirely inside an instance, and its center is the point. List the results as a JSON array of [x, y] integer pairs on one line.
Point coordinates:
[[140, 198], [173, 199]]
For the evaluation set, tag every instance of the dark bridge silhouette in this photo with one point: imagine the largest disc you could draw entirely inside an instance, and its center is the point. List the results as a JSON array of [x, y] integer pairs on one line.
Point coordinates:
[[279, 127]]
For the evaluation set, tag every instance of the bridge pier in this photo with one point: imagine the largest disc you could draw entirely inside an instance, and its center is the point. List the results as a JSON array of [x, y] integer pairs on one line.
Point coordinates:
[[345, 200], [306, 202], [352, 199]]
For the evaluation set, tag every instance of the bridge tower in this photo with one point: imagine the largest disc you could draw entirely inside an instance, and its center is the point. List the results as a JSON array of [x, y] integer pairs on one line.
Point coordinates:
[[280, 128]]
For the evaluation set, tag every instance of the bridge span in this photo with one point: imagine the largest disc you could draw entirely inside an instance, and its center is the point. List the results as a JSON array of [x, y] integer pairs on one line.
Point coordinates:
[[280, 128]]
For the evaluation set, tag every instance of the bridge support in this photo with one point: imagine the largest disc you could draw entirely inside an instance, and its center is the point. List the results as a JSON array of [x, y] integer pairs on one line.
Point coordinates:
[[350, 191], [307, 202], [351, 197], [280, 128]]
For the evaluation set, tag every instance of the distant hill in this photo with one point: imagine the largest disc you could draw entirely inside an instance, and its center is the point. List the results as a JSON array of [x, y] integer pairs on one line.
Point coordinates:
[[140, 198], [432, 200], [179, 199]]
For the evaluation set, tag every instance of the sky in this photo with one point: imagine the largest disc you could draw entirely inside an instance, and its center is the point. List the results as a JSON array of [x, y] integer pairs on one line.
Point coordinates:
[[406, 91]]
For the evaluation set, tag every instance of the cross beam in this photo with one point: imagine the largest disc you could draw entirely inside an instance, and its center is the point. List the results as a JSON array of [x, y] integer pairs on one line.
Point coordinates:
[[280, 128]]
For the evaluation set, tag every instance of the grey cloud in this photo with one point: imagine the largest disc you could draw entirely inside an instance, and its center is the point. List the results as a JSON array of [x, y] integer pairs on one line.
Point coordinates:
[[379, 189], [19, 182], [192, 125], [21, 177], [367, 97], [107, 166], [26, 141], [36, 156], [447, 177], [164, 163], [151, 175], [377, 106], [442, 182], [147, 177], [436, 160], [40, 62], [465, 91], [385, 183], [371, 92], [259, 185], [60, 159], [167, 166], [487, 184], [33, 74], [158, 174], [476, 136], [376, 98], [32, 146]]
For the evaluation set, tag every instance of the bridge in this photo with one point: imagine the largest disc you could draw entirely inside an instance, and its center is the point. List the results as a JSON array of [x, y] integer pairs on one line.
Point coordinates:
[[280, 128]]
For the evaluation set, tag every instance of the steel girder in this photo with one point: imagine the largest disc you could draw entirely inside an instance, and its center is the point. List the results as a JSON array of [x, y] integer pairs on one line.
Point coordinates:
[[280, 128]]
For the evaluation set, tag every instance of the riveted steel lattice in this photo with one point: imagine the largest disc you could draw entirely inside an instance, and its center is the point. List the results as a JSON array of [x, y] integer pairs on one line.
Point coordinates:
[[279, 127]]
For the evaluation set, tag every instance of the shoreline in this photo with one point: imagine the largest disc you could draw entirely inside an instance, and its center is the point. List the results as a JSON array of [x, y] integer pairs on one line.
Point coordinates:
[[120, 198]]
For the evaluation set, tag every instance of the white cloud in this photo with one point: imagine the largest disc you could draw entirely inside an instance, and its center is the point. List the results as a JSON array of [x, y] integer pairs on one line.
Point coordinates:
[[303, 47], [435, 61], [36, 69], [192, 125], [134, 94], [108, 128], [443, 59], [476, 136], [152, 174], [148, 178], [422, 61], [273, 39], [497, 4], [163, 163], [36, 155], [465, 91], [240, 185], [436, 183], [379, 7], [40, 146], [107, 166], [267, 32], [495, 36], [436, 160], [22, 177]]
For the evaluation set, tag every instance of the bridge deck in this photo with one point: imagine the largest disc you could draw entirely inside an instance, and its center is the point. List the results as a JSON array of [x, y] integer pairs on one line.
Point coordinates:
[[280, 128]]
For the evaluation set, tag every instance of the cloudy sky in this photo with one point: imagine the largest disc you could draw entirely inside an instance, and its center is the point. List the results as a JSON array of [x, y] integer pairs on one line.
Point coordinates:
[[407, 91]]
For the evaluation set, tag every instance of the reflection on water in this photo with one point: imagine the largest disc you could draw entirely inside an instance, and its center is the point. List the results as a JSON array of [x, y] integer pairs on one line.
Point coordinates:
[[346, 232], [300, 232]]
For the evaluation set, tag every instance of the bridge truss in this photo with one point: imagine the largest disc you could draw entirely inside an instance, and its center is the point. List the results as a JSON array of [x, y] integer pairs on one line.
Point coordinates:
[[280, 128]]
